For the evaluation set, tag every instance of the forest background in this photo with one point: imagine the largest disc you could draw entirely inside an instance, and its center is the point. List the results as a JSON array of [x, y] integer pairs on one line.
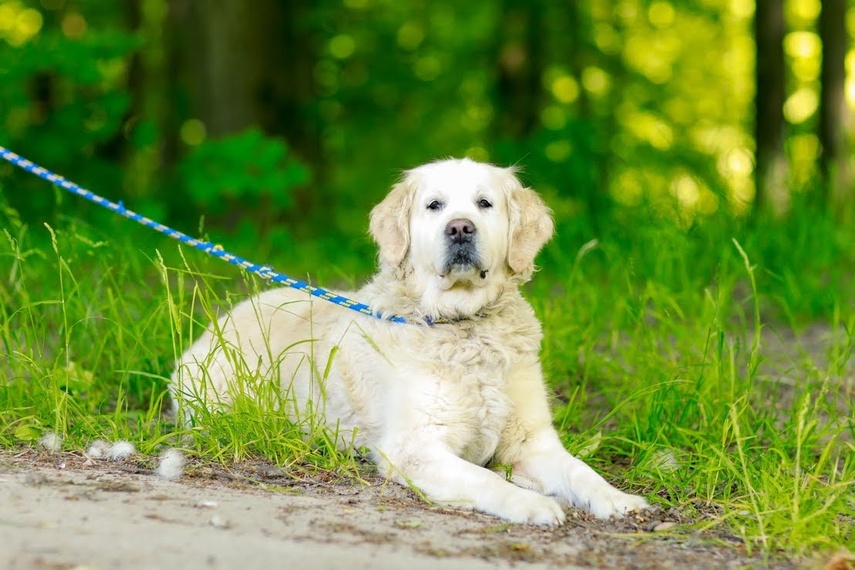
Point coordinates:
[[283, 119]]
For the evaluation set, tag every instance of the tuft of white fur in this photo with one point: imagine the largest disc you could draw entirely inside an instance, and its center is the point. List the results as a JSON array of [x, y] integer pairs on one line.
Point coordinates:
[[171, 465], [51, 441], [121, 450], [98, 449]]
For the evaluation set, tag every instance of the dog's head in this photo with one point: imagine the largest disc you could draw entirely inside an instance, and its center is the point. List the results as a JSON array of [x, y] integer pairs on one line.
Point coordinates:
[[463, 224]]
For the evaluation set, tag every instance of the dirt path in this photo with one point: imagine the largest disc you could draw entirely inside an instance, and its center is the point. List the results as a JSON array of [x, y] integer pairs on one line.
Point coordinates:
[[63, 512]]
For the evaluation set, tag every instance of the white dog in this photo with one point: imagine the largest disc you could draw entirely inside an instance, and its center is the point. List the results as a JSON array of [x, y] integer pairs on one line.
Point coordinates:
[[434, 403]]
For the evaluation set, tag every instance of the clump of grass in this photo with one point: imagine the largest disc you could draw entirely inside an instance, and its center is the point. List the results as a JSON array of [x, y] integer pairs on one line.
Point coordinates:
[[675, 379], [658, 346]]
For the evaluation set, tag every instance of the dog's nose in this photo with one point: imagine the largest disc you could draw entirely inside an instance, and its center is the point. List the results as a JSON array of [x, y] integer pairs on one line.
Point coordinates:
[[460, 230]]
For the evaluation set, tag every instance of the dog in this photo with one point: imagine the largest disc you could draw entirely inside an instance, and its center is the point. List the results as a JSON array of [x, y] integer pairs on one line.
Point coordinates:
[[436, 399]]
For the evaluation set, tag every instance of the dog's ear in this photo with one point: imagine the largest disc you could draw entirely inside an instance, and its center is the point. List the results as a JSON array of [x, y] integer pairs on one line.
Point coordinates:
[[390, 223], [530, 226]]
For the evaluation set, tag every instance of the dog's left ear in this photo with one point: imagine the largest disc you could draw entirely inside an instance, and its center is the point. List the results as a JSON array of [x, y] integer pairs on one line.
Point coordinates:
[[390, 222], [531, 226]]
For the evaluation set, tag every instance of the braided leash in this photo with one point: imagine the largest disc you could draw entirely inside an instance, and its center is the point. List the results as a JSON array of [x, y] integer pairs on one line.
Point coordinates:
[[262, 271]]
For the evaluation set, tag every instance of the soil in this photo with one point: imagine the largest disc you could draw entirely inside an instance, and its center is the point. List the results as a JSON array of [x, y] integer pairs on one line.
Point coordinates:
[[65, 511]]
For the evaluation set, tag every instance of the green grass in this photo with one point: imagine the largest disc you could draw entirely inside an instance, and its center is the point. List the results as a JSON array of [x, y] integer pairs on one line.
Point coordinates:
[[710, 368]]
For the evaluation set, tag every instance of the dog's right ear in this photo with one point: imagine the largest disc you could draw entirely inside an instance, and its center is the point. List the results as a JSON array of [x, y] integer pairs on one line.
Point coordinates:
[[390, 223]]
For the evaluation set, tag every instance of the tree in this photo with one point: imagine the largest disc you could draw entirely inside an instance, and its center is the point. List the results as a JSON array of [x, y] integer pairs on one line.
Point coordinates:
[[770, 161], [520, 68], [243, 65], [833, 111]]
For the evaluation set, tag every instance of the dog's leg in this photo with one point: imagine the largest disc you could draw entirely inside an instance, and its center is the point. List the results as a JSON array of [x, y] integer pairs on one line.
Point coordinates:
[[539, 461], [447, 479], [544, 462]]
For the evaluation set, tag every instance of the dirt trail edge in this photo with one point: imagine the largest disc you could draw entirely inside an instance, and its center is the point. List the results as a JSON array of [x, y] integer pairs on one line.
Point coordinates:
[[61, 512]]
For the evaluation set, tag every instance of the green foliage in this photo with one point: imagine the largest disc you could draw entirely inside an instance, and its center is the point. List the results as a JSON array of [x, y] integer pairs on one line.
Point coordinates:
[[245, 176], [604, 107], [64, 100], [244, 169]]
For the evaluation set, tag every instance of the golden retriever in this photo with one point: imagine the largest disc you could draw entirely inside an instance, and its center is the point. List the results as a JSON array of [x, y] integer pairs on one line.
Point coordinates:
[[434, 403]]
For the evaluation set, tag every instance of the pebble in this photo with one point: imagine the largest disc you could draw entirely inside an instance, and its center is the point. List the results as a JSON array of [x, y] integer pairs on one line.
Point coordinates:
[[36, 479], [218, 522]]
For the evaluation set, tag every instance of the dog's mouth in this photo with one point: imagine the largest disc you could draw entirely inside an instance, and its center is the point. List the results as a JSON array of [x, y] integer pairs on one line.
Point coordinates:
[[462, 262]]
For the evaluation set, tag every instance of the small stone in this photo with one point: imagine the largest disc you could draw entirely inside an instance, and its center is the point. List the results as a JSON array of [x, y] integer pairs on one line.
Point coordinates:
[[36, 479], [663, 526], [219, 522]]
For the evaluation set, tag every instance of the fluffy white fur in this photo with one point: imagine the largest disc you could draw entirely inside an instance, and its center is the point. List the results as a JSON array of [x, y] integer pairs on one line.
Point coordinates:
[[98, 449], [121, 450], [434, 404], [171, 465], [51, 441]]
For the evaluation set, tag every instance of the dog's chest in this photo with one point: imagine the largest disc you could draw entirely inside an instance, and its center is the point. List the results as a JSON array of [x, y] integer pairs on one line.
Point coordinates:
[[470, 400]]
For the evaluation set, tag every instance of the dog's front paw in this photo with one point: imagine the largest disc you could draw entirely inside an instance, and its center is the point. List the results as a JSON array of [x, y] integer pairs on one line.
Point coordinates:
[[532, 508], [613, 502]]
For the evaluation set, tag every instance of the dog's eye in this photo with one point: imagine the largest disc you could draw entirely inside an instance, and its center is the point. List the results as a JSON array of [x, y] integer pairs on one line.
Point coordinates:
[[435, 205], [484, 204]]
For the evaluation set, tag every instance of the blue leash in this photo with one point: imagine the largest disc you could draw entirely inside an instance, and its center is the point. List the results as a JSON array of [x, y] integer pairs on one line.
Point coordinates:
[[262, 271]]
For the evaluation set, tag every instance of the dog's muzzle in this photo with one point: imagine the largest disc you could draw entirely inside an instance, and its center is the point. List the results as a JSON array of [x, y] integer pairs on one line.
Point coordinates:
[[461, 252]]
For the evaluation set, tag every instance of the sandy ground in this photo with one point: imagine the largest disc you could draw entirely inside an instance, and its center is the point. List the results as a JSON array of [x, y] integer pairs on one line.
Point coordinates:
[[65, 511]]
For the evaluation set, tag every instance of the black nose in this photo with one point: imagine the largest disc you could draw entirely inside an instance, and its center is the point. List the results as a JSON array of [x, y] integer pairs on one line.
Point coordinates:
[[460, 230]]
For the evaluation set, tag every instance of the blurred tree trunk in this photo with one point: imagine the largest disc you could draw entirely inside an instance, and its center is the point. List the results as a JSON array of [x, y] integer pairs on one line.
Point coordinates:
[[833, 111], [142, 141], [247, 64], [520, 68], [596, 130], [771, 163]]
